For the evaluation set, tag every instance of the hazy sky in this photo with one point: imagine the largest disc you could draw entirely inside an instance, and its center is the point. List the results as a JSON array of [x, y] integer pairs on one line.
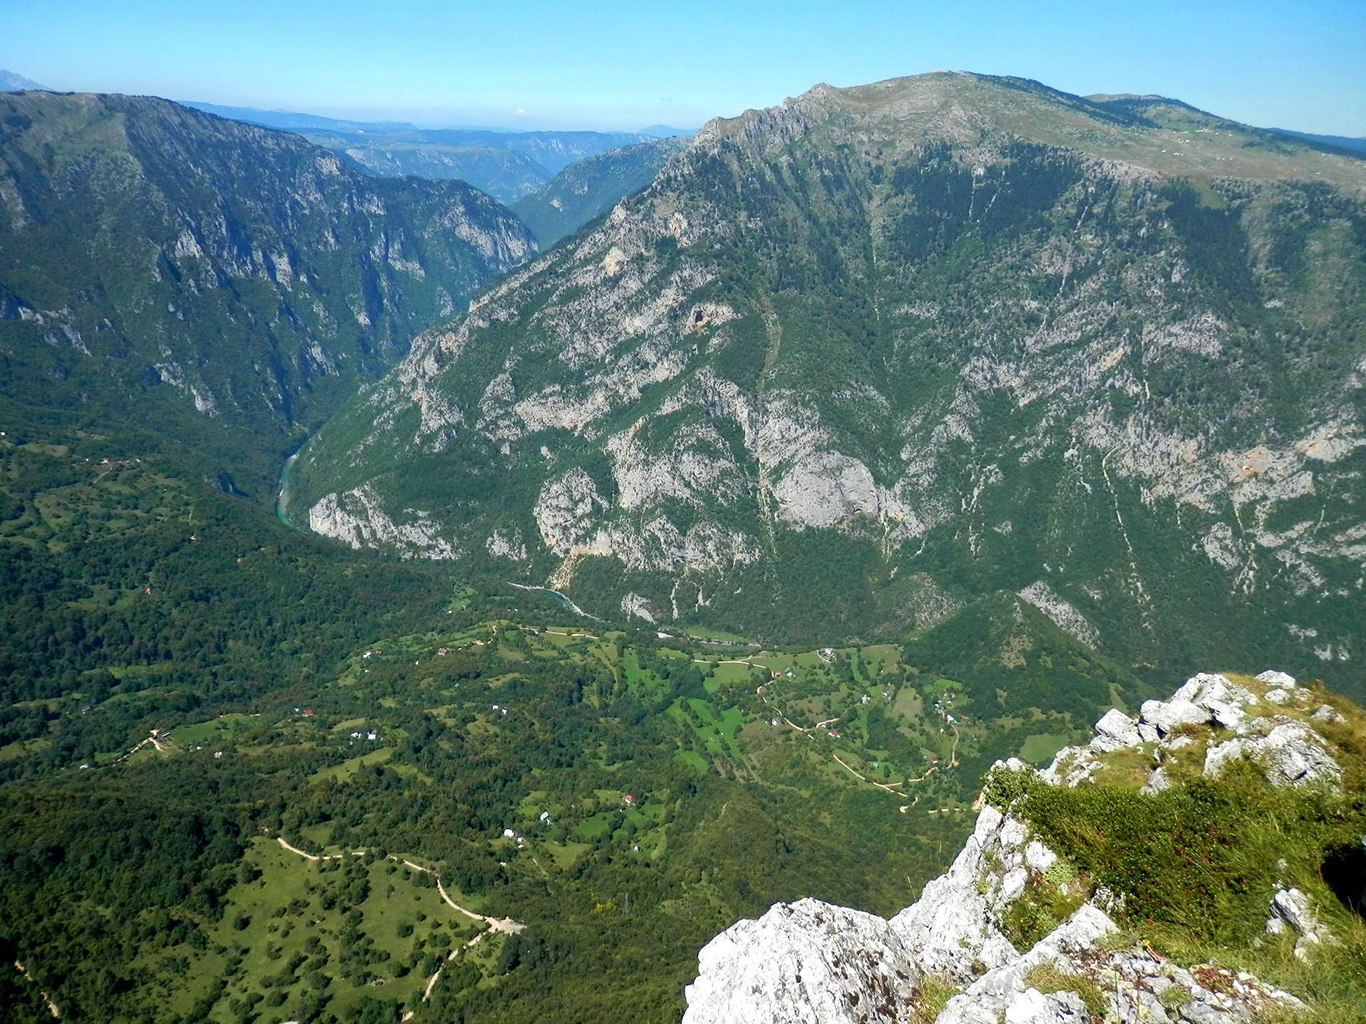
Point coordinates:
[[598, 65]]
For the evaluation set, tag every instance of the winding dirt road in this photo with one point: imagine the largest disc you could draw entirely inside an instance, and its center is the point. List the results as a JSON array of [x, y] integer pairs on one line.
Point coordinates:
[[497, 924], [51, 1006]]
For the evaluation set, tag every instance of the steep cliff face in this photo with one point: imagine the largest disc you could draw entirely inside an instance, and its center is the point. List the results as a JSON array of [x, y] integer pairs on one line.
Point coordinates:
[[943, 335], [163, 259], [1045, 921]]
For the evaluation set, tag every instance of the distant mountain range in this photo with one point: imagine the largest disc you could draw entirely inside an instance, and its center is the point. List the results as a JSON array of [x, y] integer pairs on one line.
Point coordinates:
[[505, 164], [1354, 145], [293, 120], [12, 81]]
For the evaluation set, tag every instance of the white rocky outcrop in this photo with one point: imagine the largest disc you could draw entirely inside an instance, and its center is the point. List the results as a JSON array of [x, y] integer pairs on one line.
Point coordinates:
[[954, 925], [800, 962], [812, 962], [355, 517], [1275, 678], [637, 606], [1289, 754]]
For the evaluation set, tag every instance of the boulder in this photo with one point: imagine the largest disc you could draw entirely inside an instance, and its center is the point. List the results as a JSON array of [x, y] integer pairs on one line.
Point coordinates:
[[1209, 689], [1218, 757], [1276, 678], [1115, 731], [1157, 782], [1291, 754], [1039, 857], [1167, 715], [1290, 907], [1325, 713], [1227, 716]]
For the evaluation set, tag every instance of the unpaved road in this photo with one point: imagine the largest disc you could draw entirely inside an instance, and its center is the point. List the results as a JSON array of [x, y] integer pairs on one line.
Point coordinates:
[[51, 1006], [497, 924]]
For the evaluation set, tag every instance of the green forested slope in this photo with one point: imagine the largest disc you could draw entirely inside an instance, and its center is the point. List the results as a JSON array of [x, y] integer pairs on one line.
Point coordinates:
[[683, 785], [163, 266]]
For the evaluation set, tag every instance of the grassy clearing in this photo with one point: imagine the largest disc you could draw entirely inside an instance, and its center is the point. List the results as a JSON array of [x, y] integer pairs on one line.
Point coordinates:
[[691, 757], [294, 929], [354, 764], [566, 854], [1039, 747]]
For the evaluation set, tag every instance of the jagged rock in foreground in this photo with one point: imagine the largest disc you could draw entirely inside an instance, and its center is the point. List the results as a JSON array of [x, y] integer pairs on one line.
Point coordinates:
[[826, 963], [810, 961]]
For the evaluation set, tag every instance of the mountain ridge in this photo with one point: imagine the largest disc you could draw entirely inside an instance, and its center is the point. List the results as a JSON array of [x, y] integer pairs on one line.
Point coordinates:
[[164, 257], [588, 188], [12, 81], [808, 371]]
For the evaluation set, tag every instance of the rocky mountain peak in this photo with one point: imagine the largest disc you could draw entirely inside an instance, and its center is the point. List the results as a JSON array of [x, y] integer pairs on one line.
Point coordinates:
[[970, 951]]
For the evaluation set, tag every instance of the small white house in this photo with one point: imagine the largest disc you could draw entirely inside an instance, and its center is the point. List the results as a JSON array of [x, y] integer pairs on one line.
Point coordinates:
[[545, 817]]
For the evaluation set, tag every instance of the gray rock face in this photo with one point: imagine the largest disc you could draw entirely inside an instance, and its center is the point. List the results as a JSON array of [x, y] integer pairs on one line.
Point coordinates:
[[1290, 908], [1290, 754], [802, 962], [1004, 990], [355, 517], [954, 925]]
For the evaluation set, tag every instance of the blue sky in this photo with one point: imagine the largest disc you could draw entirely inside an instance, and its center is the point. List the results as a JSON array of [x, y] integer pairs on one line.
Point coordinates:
[[537, 64]]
